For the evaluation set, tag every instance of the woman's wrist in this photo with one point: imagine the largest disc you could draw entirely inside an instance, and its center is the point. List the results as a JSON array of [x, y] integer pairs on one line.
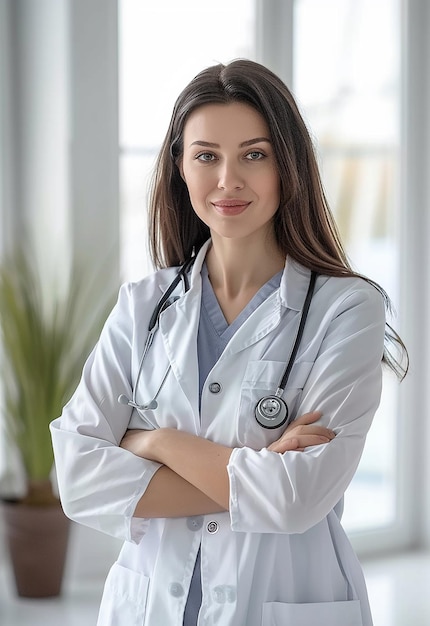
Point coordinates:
[[152, 445], [163, 442]]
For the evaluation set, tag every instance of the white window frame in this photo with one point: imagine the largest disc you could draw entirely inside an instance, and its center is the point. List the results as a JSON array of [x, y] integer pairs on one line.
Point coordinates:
[[414, 433], [7, 200]]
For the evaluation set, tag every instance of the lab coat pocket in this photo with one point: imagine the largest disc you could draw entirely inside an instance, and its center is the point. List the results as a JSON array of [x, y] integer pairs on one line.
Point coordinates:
[[261, 379], [314, 614], [124, 598]]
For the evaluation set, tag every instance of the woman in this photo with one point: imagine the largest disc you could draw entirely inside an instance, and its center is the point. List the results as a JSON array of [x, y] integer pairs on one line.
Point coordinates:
[[230, 514]]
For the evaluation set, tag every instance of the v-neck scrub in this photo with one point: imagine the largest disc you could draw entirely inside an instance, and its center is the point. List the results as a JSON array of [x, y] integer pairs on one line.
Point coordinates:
[[214, 331]]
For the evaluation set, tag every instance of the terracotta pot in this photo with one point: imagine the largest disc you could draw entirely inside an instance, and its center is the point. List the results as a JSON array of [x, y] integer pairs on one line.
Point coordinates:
[[37, 537]]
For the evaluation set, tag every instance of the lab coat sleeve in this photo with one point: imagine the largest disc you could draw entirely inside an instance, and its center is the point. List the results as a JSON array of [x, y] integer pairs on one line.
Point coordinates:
[[291, 492], [99, 482]]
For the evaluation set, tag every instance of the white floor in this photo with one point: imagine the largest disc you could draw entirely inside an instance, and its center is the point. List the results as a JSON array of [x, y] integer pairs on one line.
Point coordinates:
[[399, 590]]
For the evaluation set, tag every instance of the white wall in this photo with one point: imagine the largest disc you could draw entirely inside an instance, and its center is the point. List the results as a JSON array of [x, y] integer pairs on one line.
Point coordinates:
[[40, 72], [94, 186]]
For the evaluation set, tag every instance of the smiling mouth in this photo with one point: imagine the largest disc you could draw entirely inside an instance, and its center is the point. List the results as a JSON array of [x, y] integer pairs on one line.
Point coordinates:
[[230, 207]]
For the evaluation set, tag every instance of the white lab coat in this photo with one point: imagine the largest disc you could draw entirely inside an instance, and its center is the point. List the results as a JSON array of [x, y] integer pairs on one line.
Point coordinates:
[[280, 555]]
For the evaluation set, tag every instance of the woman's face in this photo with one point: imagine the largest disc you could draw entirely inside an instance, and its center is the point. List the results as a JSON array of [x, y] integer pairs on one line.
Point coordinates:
[[230, 170]]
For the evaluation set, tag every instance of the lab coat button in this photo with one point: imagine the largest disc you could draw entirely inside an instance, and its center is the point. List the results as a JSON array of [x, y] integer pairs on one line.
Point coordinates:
[[176, 590], [224, 593], [212, 527], [214, 387], [195, 523]]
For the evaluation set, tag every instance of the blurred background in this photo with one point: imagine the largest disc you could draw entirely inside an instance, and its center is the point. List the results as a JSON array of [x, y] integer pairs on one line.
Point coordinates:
[[86, 92]]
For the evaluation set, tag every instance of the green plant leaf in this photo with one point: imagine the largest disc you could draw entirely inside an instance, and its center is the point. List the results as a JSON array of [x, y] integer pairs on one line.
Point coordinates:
[[45, 341]]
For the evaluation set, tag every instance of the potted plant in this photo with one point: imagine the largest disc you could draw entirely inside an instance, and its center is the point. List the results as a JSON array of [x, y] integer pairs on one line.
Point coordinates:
[[45, 338]]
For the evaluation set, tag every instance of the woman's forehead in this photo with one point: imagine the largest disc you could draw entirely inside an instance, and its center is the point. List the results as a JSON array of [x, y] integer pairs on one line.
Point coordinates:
[[235, 122]]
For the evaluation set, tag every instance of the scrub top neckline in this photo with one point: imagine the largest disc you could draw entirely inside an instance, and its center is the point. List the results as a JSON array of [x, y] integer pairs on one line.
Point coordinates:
[[214, 312]]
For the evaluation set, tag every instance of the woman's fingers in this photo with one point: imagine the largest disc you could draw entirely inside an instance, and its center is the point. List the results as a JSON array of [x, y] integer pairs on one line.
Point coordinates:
[[309, 430], [306, 418], [298, 443], [303, 433]]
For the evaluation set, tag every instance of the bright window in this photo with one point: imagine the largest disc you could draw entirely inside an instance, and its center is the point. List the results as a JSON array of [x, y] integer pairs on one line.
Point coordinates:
[[163, 45], [347, 80]]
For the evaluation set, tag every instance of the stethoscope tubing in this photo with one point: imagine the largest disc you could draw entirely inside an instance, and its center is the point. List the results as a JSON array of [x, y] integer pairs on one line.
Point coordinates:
[[152, 329], [300, 330], [181, 275]]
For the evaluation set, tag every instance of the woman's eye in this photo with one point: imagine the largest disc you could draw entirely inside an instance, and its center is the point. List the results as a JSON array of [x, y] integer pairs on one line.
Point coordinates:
[[255, 155], [206, 157]]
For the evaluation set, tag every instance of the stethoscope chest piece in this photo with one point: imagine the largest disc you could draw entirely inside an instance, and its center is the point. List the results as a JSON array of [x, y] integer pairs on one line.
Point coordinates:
[[271, 412]]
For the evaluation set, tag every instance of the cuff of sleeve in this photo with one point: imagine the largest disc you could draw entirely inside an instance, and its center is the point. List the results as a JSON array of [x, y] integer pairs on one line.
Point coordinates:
[[233, 501], [255, 503], [138, 526]]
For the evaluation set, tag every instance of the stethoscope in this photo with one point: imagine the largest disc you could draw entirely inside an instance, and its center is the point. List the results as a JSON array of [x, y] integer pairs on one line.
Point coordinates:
[[271, 411], [164, 302]]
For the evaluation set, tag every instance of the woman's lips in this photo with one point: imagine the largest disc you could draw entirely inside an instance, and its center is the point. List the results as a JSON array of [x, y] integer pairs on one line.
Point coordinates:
[[230, 207]]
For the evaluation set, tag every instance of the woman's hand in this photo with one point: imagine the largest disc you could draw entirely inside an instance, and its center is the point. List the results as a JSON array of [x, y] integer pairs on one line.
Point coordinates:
[[302, 433]]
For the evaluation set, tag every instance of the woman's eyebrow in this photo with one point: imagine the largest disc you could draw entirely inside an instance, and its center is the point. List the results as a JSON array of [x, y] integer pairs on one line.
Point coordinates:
[[248, 142]]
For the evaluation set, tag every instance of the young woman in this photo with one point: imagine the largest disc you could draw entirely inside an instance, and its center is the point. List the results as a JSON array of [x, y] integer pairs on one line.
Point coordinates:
[[229, 501]]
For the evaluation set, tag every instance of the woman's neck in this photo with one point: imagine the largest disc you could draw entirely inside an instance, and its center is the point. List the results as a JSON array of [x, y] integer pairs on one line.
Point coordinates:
[[237, 270]]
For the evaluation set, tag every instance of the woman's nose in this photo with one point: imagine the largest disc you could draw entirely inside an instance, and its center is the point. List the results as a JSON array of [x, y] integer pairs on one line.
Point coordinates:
[[230, 176]]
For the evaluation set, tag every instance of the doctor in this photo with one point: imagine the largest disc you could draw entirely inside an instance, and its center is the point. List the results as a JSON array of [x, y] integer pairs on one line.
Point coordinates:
[[230, 516]]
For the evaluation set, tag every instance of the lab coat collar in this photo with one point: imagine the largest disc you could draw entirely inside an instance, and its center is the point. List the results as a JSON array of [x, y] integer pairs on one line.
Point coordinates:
[[197, 266], [294, 285], [294, 282], [195, 279]]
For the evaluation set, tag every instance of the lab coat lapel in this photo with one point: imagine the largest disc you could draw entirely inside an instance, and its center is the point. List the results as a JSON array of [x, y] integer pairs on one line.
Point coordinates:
[[294, 285], [291, 295], [259, 324], [179, 326]]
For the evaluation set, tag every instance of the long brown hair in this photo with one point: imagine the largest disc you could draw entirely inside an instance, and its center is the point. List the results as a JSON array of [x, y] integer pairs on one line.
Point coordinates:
[[304, 225]]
